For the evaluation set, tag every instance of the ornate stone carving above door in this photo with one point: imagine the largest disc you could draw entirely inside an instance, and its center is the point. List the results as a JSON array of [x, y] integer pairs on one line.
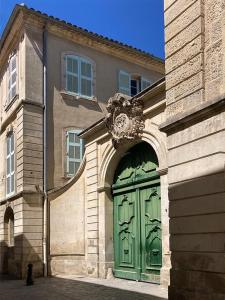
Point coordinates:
[[125, 118]]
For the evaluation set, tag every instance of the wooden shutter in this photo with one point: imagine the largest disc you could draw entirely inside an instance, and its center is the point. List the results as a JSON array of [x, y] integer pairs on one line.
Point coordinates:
[[72, 74], [124, 83], [12, 78], [10, 162], [74, 152], [86, 78], [144, 83]]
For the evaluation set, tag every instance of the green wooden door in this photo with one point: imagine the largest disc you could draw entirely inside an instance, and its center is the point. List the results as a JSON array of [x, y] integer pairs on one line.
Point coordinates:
[[137, 216]]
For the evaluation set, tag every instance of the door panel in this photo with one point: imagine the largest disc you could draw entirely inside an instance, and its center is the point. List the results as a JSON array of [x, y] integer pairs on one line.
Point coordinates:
[[125, 224], [137, 215], [151, 244]]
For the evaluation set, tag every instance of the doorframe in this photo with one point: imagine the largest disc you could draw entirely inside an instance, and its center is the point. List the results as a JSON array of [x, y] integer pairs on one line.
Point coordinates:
[[109, 161], [137, 187]]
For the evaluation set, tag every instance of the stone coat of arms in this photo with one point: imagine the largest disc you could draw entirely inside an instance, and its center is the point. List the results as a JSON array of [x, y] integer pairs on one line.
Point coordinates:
[[124, 119]]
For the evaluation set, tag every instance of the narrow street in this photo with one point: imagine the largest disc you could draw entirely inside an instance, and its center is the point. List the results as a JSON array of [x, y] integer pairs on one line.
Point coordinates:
[[75, 288]]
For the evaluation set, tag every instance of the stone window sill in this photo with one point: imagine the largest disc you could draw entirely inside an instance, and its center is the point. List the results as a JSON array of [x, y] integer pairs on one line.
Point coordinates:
[[8, 105], [67, 177], [70, 96]]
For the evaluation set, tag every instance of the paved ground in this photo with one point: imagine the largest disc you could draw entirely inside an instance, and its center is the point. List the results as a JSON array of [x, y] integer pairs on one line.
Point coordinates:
[[75, 288]]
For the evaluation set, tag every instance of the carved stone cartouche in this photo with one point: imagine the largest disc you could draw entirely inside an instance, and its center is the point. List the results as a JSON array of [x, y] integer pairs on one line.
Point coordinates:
[[125, 118]]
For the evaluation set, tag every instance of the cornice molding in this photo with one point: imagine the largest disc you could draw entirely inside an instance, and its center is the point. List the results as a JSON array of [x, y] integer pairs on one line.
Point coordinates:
[[17, 195], [107, 47], [199, 112], [68, 30], [12, 40], [81, 36], [13, 113]]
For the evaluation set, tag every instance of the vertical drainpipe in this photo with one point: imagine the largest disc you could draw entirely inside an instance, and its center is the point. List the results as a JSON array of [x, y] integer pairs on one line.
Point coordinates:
[[45, 183]]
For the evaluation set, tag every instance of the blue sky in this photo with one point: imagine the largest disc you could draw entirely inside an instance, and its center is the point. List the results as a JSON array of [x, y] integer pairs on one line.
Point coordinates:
[[135, 22]]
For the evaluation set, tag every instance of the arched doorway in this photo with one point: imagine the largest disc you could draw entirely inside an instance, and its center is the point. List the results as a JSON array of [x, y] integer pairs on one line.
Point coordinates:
[[137, 215], [9, 240]]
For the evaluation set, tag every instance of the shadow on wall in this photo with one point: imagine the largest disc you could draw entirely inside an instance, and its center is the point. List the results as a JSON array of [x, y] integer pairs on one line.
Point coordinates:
[[14, 259], [197, 238]]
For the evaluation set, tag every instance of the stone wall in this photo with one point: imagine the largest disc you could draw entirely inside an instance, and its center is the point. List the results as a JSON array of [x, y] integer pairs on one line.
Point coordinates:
[[87, 200], [29, 141], [196, 133], [80, 112], [92, 214], [67, 231], [27, 246], [184, 42], [24, 117]]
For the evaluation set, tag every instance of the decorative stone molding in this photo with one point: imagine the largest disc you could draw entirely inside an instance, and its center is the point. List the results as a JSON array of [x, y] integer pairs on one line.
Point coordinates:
[[125, 118], [162, 171], [9, 129]]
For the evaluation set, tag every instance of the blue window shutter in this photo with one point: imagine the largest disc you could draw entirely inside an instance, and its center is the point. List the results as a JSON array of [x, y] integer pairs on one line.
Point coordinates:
[[72, 74], [74, 153], [145, 83], [124, 83], [12, 78], [86, 78]]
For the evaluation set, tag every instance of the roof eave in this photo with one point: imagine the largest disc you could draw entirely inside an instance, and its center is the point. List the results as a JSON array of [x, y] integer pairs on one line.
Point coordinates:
[[83, 31], [11, 20]]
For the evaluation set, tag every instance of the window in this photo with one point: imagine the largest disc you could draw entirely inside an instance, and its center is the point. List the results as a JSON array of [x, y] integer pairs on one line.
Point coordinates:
[[10, 169], [131, 84], [74, 153], [79, 76], [134, 87], [12, 73]]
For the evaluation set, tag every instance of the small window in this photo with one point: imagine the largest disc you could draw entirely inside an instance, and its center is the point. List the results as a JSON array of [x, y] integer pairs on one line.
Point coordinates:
[[10, 163], [12, 73], [79, 76], [74, 153], [131, 84], [134, 87]]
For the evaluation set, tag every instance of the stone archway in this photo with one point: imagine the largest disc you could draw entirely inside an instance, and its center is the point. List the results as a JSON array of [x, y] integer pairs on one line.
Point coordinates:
[[8, 252], [137, 215], [109, 162]]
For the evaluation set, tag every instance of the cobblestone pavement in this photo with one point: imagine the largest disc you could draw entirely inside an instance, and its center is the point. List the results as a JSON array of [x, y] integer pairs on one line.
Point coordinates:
[[75, 288]]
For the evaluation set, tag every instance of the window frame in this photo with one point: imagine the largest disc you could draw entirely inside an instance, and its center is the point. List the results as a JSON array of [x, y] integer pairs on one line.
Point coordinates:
[[132, 76], [10, 83], [79, 75], [11, 174], [74, 144]]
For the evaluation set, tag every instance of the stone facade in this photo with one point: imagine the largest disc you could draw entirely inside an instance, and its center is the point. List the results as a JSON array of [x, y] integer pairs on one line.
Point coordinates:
[[39, 44], [90, 193], [195, 137], [185, 127]]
